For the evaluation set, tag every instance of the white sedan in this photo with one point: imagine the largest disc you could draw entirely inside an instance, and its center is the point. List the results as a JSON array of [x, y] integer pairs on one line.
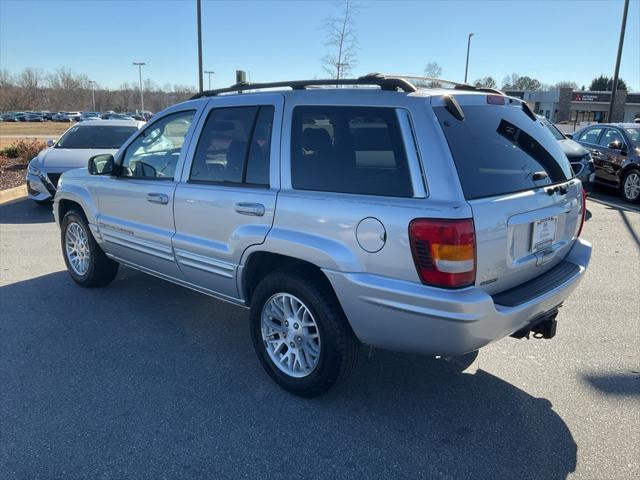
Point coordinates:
[[73, 150]]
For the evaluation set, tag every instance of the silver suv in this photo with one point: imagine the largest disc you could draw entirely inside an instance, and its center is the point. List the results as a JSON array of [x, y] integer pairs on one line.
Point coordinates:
[[433, 221]]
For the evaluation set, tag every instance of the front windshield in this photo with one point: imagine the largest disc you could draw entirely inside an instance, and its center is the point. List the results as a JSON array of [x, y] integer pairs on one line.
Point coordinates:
[[553, 129], [98, 136], [633, 134]]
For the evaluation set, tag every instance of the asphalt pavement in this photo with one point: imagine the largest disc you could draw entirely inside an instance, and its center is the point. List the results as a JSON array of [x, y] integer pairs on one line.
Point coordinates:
[[147, 380]]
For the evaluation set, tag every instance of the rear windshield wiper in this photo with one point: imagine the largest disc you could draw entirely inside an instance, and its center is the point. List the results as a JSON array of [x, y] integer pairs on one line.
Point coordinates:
[[453, 107]]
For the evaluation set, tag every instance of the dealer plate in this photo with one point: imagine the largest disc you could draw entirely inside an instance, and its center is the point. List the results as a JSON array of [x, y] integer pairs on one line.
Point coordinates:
[[543, 232]]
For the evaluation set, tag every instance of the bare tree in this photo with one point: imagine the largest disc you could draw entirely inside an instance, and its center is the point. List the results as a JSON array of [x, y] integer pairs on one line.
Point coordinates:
[[342, 39], [433, 69], [487, 82]]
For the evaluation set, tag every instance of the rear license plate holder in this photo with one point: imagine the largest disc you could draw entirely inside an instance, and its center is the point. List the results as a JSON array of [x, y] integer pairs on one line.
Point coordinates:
[[543, 232]]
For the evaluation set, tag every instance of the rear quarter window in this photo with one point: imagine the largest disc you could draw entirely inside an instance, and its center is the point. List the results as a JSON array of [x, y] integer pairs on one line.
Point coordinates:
[[357, 150], [497, 149]]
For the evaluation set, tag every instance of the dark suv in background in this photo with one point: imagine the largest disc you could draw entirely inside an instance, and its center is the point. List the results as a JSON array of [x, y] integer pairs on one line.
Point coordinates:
[[578, 156], [615, 148]]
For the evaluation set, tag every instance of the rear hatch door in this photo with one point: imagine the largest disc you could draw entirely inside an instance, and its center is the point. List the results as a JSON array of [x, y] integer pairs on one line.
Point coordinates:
[[527, 207]]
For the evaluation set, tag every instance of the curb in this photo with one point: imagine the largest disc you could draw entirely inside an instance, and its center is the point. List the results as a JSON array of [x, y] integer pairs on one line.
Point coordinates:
[[11, 194]]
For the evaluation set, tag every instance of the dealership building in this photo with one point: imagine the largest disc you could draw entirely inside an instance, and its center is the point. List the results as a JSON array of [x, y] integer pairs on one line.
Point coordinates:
[[568, 105]]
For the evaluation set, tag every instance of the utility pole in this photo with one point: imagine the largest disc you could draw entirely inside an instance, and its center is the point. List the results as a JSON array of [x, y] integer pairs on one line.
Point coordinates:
[[466, 68], [140, 64], [93, 93], [199, 15], [209, 73], [614, 87]]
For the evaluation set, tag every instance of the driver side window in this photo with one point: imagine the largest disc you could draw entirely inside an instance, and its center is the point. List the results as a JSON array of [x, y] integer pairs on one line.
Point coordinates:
[[154, 154]]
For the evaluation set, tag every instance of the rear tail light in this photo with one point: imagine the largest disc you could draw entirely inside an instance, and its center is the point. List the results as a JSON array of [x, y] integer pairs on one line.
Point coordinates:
[[584, 211], [444, 251]]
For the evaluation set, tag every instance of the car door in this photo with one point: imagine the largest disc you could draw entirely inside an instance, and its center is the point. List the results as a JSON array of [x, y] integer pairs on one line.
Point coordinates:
[[136, 206], [589, 138], [226, 199], [612, 144]]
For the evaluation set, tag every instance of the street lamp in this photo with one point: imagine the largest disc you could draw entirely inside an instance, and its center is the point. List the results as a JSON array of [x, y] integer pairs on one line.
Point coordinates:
[[139, 65], [466, 68], [209, 73], [93, 93], [199, 27]]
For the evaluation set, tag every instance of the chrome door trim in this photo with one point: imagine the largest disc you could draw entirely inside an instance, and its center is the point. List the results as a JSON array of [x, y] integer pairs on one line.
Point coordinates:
[[138, 244], [206, 264]]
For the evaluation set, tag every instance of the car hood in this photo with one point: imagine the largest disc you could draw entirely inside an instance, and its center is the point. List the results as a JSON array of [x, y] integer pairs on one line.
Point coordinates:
[[69, 157], [572, 148]]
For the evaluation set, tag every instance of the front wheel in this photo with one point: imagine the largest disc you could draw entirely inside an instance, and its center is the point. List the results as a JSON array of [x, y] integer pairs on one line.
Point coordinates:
[[630, 186], [300, 334], [86, 262]]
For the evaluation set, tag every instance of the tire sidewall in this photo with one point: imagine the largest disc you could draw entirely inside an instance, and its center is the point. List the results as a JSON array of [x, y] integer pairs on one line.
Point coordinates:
[[74, 217], [328, 368]]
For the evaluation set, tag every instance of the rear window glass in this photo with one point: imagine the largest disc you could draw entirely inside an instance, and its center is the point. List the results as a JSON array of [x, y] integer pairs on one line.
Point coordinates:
[[498, 149], [356, 150], [99, 136]]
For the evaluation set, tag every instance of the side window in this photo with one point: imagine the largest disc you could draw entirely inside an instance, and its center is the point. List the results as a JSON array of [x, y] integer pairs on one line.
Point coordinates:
[[350, 150], [155, 153], [611, 135], [590, 136], [234, 146]]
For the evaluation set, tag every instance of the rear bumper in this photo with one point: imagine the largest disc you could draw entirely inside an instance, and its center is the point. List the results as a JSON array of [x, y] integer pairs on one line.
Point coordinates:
[[407, 316]]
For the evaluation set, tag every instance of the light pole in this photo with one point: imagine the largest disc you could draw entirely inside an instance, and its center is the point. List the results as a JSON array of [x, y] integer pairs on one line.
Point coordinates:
[[140, 64], [199, 20], [209, 73], [466, 67], [93, 93], [614, 87]]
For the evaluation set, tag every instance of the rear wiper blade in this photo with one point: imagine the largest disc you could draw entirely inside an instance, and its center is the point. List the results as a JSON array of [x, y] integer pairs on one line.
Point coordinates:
[[453, 107], [528, 111]]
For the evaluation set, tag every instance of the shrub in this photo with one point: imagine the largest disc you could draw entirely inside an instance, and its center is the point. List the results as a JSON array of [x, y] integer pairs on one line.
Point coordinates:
[[24, 149]]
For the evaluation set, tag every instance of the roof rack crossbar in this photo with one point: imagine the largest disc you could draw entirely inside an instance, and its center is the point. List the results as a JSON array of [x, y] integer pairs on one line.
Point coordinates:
[[384, 82]]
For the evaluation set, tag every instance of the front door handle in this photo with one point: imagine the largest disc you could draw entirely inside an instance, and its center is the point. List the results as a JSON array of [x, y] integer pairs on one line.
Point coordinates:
[[254, 209], [160, 198]]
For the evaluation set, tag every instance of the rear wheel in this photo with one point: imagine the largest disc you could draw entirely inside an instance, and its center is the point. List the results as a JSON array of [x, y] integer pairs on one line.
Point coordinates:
[[86, 262], [630, 187], [300, 334]]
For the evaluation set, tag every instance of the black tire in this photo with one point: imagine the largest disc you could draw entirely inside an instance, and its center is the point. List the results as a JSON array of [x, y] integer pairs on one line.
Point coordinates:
[[636, 173], [339, 346], [101, 269]]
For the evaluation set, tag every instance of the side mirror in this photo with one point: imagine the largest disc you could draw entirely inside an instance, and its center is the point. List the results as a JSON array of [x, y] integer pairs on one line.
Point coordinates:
[[569, 136], [615, 145], [50, 143], [103, 164]]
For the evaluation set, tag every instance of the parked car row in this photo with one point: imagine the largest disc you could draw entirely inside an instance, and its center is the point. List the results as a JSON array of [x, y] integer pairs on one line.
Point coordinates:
[[73, 116], [430, 221]]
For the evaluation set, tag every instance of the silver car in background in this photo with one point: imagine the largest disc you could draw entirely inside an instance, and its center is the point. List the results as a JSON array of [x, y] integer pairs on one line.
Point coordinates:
[[431, 221], [73, 150]]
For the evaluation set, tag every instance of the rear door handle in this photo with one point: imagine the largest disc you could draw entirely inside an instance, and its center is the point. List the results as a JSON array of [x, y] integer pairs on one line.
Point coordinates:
[[254, 209], [160, 198]]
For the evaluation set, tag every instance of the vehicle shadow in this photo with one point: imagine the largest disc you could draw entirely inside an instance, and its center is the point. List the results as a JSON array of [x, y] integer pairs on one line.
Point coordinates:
[[25, 211], [621, 384], [626, 210], [142, 378]]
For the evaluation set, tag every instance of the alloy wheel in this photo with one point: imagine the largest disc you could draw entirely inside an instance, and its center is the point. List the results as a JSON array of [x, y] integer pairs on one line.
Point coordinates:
[[76, 245], [290, 335], [632, 186]]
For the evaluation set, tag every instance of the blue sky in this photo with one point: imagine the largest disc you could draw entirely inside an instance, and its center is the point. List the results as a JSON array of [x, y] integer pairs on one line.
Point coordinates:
[[277, 40]]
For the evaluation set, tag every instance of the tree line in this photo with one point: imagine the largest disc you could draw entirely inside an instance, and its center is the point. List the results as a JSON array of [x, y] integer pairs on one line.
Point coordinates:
[[63, 90]]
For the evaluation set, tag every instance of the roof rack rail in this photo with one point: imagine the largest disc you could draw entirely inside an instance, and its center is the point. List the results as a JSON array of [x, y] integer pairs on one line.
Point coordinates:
[[456, 85], [382, 81]]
